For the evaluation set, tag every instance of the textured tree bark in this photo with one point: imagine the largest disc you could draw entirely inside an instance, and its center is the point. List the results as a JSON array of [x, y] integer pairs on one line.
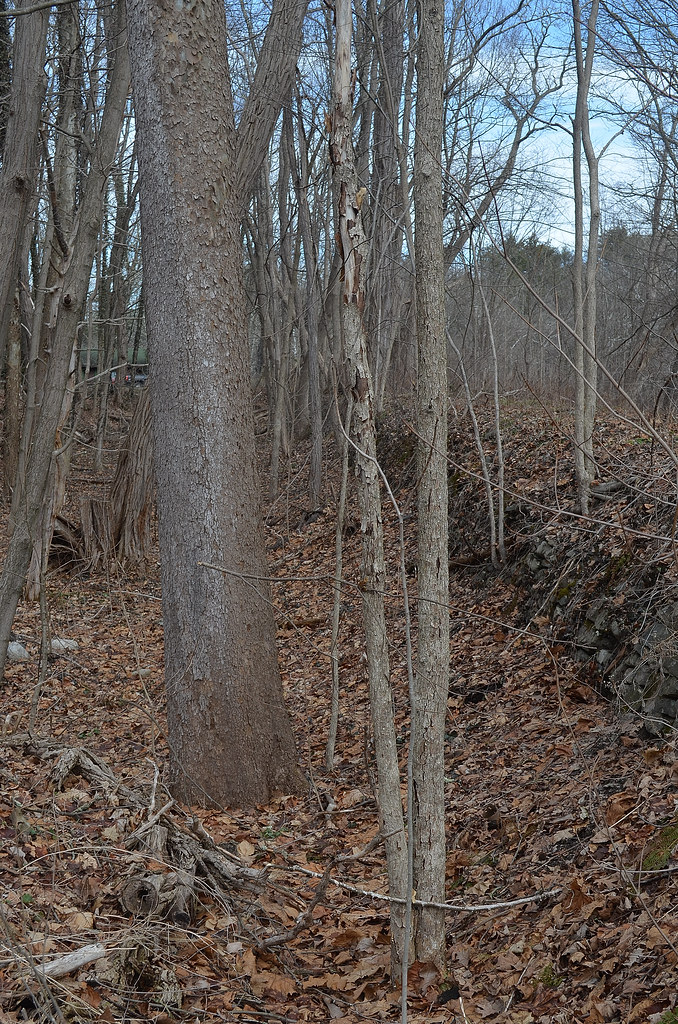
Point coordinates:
[[432, 675], [12, 410], [352, 244], [66, 306], [5, 72], [230, 736], [20, 150]]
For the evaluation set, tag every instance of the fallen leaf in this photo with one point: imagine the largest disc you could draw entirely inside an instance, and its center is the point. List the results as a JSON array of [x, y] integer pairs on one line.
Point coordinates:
[[274, 986], [245, 849], [618, 806]]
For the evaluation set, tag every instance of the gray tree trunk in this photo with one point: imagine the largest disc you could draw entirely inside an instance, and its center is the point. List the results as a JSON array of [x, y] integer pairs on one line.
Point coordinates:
[[584, 271], [62, 181], [120, 525], [230, 736], [432, 675], [386, 287], [273, 80], [21, 147], [12, 410], [313, 308]]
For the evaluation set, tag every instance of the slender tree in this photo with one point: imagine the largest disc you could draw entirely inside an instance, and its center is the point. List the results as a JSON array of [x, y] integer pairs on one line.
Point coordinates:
[[352, 246], [585, 266], [20, 148], [432, 676]]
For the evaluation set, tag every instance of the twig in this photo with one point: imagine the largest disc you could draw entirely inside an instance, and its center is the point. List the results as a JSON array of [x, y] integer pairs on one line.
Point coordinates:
[[304, 919], [69, 962], [149, 823], [456, 907], [154, 788]]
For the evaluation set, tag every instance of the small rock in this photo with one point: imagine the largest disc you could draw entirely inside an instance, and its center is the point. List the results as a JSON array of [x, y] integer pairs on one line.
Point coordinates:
[[17, 652], [61, 646]]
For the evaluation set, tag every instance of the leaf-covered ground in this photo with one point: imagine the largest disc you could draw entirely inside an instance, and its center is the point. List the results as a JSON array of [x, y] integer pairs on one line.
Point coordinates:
[[562, 816]]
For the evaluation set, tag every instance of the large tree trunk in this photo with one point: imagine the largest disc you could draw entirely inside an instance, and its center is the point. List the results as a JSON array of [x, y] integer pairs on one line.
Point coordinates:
[[352, 244], [432, 676], [230, 736]]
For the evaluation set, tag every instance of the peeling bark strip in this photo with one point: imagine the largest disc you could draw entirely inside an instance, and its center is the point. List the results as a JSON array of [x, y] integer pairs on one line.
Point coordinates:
[[351, 240]]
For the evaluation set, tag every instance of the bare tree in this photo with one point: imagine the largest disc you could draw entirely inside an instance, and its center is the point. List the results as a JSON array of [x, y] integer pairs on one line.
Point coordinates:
[[387, 282], [299, 164], [121, 525], [585, 270], [351, 240], [432, 676], [62, 182], [21, 149], [67, 299]]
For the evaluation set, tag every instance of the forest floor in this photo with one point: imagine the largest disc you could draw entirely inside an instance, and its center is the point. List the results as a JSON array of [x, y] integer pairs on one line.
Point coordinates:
[[555, 798]]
